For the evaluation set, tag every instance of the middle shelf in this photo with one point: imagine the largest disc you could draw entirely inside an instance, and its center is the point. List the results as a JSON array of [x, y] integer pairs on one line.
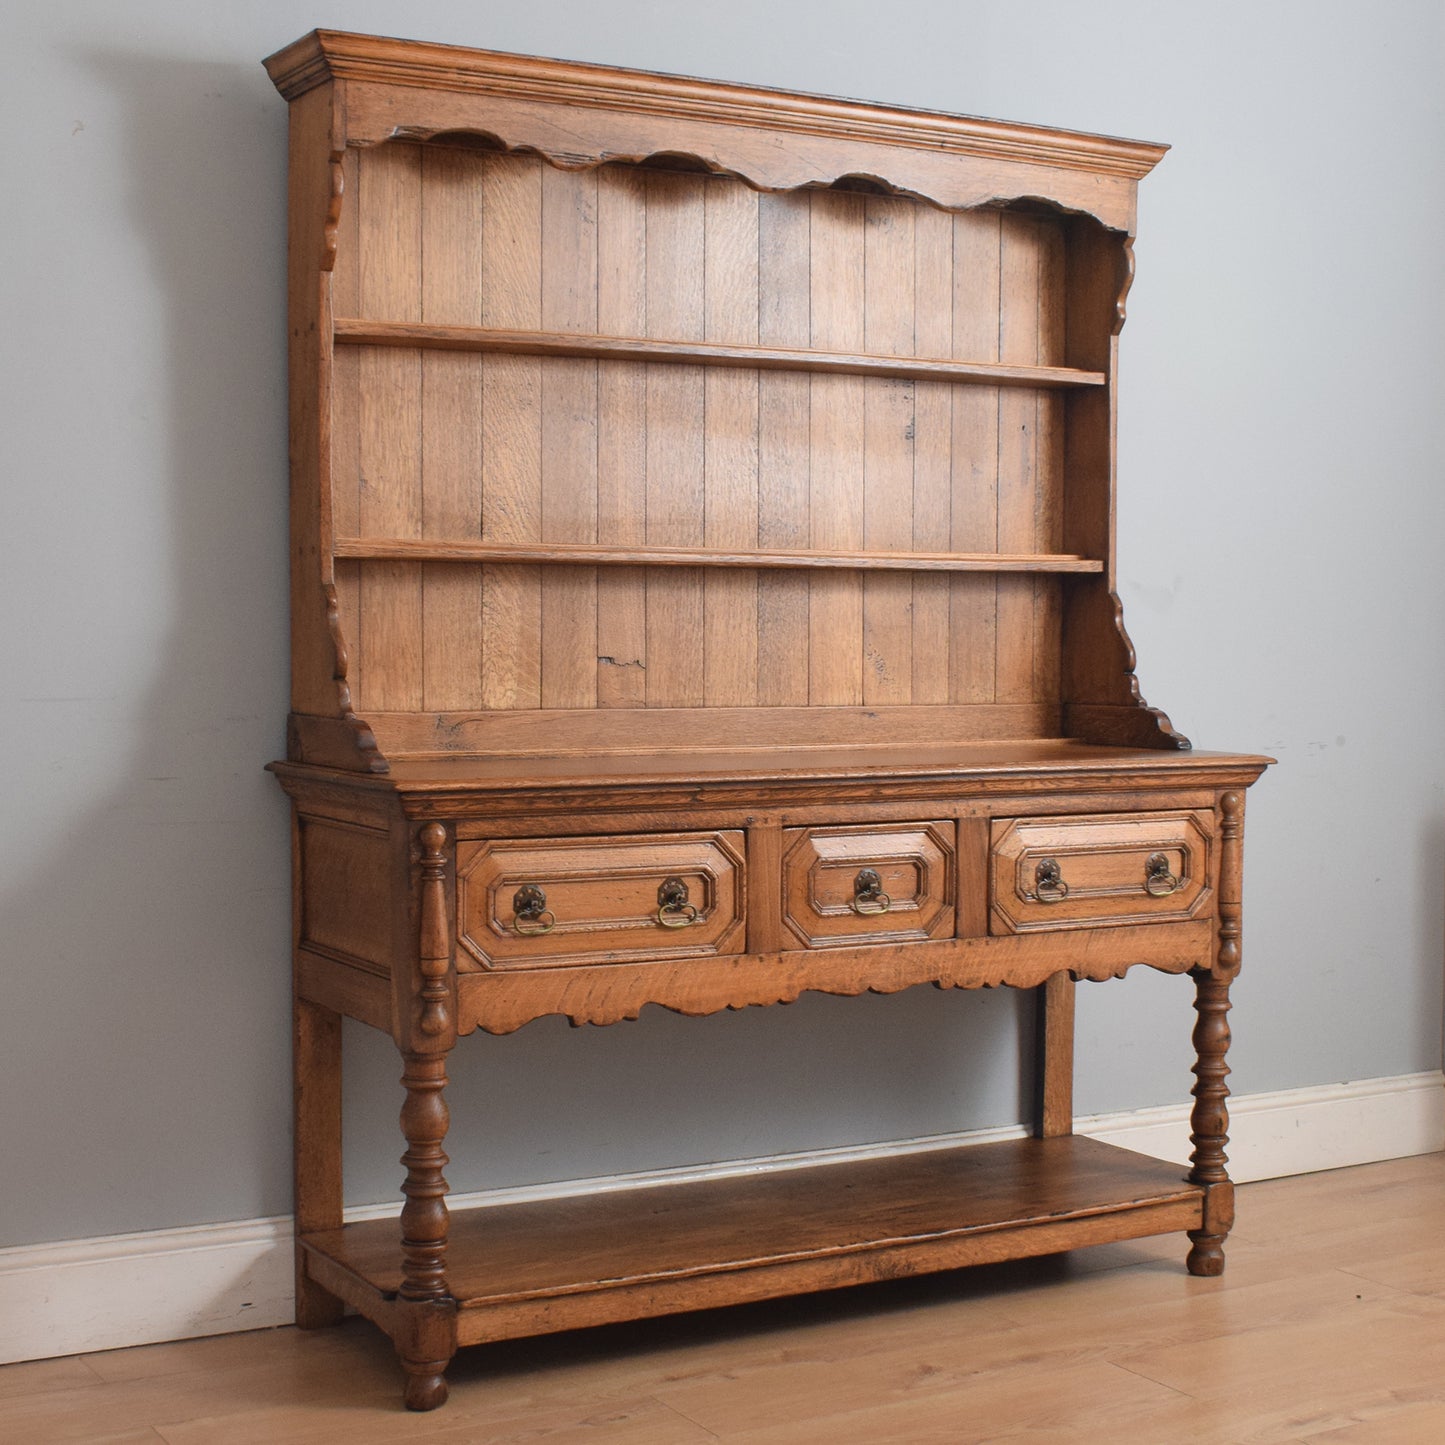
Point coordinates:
[[598, 554], [360, 331]]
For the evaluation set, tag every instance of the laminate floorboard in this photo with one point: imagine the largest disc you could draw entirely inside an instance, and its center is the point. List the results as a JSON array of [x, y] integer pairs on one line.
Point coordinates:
[[1328, 1327]]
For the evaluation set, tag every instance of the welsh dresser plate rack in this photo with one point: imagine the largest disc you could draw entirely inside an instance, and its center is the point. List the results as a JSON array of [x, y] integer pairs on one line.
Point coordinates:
[[703, 591]]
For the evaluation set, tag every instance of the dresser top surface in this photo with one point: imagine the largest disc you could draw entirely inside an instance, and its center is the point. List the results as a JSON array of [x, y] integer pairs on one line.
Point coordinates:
[[991, 764]]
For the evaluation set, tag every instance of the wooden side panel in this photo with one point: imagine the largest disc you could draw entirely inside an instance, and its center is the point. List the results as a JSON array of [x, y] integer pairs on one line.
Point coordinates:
[[389, 428], [512, 430], [784, 226], [451, 443], [621, 436], [346, 417], [569, 437], [888, 261], [730, 614], [835, 628], [675, 452]]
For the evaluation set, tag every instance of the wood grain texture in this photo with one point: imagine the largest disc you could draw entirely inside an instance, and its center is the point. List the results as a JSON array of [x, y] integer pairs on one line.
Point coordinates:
[[928, 365], [451, 434], [676, 497], [784, 407], [564, 554], [837, 440], [551, 106], [390, 429], [605, 994], [1054, 1040], [846, 1223], [708, 496], [569, 438], [621, 438], [512, 432], [730, 460]]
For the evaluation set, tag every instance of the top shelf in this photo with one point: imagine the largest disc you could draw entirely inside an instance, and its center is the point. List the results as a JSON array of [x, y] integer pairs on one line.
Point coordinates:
[[354, 331]]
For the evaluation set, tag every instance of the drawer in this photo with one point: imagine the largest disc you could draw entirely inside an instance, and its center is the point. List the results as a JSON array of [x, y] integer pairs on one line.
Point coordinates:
[[1113, 869], [531, 902], [891, 882]]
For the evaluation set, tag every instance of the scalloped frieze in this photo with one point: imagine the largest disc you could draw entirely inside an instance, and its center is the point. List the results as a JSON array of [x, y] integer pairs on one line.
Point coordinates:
[[613, 994]]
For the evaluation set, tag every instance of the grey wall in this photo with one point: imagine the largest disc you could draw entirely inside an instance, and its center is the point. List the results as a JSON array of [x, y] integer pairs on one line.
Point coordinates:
[[1281, 506]]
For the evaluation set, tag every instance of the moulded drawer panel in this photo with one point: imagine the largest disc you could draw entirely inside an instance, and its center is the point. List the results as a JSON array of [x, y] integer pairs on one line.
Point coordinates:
[[1095, 871], [914, 864], [601, 897]]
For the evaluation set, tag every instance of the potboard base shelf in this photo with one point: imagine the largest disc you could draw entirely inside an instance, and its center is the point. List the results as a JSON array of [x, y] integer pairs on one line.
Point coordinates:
[[529, 1269]]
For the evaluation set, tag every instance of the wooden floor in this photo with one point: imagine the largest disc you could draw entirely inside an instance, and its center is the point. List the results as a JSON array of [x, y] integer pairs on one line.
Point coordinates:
[[1329, 1326]]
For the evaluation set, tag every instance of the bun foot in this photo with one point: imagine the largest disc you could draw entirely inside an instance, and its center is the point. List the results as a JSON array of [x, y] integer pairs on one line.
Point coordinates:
[[1206, 1257], [425, 1389]]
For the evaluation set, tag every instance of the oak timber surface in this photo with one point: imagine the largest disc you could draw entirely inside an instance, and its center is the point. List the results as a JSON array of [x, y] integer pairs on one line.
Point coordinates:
[[957, 762], [601, 1241]]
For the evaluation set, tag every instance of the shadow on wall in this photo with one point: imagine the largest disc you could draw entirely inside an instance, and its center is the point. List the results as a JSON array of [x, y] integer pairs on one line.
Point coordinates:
[[160, 927]]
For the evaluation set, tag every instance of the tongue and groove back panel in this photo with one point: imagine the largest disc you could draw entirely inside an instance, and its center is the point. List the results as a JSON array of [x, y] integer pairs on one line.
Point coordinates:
[[468, 445]]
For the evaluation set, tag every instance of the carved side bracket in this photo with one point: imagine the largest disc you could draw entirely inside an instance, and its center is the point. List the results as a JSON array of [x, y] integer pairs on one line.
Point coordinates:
[[331, 226]]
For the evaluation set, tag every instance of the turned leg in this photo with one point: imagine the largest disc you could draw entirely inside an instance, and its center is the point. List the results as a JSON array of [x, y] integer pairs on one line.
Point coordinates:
[[1209, 1123], [430, 1339], [1209, 1119], [316, 1054]]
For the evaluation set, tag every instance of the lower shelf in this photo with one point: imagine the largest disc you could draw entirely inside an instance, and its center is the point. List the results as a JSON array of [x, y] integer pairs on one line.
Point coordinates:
[[530, 1269]]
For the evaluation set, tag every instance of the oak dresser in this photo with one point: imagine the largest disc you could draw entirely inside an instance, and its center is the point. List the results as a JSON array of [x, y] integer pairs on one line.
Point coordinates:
[[703, 591]]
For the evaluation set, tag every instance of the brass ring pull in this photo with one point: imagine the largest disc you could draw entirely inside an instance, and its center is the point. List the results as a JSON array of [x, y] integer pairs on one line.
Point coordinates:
[[1049, 885], [529, 905], [1159, 879], [868, 894], [673, 909]]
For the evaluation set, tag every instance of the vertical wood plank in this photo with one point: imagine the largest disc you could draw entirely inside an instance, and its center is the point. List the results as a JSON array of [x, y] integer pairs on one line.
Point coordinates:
[[836, 443], [932, 451], [511, 430], [451, 449], [1049, 514], [1018, 413], [973, 599], [888, 294], [346, 419], [784, 223], [730, 609], [675, 499], [569, 437], [621, 436], [390, 426]]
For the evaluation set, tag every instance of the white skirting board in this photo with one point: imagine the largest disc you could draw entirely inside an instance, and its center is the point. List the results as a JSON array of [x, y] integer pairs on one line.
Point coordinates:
[[171, 1284]]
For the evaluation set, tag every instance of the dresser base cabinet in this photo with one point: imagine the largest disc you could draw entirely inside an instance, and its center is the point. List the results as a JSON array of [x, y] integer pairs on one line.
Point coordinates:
[[703, 593]]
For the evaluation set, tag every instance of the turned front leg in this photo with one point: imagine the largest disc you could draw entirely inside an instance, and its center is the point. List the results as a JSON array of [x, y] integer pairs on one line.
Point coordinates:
[[1209, 1119], [431, 1339], [1209, 1124]]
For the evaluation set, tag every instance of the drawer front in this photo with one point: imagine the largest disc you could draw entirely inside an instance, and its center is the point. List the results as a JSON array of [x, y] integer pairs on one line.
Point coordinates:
[[1114, 869], [889, 883], [538, 902]]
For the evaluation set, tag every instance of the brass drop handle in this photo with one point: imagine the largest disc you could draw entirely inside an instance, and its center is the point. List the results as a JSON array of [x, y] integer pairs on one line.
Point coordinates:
[[529, 906], [673, 909], [1159, 878], [868, 894], [1049, 885]]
